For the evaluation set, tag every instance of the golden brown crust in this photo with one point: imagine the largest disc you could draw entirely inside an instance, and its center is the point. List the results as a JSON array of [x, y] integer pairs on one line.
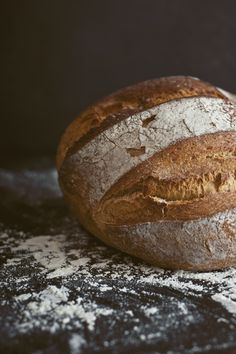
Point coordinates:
[[170, 244], [175, 209], [167, 250], [191, 179], [180, 244], [130, 100]]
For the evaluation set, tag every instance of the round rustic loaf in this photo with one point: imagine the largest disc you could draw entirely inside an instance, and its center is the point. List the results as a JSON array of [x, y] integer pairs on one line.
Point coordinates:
[[151, 170]]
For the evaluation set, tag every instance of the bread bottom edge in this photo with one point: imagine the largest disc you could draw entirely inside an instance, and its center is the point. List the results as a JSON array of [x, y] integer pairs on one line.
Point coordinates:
[[199, 245]]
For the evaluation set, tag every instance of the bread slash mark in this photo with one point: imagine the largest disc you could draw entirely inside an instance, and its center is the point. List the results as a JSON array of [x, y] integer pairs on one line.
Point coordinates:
[[136, 151], [148, 121]]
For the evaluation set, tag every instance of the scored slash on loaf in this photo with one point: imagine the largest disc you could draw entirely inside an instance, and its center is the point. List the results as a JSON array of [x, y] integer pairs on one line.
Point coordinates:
[[151, 171], [106, 158]]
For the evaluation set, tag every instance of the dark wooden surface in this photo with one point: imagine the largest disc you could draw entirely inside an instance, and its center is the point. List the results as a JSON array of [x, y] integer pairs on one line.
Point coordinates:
[[63, 291]]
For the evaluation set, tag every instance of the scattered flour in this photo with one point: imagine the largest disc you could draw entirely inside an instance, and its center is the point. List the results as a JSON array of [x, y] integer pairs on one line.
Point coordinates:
[[76, 343], [151, 311], [65, 280], [54, 299], [226, 301], [51, 256]]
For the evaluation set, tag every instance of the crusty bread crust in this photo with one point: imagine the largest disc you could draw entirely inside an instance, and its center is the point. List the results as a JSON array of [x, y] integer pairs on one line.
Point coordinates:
[[130, 100], [203, 244], [107, 157], [151, 170], [191, 179]]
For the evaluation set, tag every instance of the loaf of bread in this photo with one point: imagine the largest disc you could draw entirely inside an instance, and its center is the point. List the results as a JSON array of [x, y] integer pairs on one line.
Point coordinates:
[[151, 170]]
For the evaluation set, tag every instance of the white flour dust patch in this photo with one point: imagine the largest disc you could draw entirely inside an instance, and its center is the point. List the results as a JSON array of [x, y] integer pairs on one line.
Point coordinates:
[[51, 256]]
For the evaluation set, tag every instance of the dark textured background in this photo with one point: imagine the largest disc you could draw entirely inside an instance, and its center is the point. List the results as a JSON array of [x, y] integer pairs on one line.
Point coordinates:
[[59, 56]]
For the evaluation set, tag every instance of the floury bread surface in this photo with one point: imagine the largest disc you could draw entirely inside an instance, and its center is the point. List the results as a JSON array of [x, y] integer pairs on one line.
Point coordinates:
[[151, 170]]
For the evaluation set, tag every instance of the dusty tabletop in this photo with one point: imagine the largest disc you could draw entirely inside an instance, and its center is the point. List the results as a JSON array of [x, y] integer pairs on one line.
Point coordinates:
[[63, 291]]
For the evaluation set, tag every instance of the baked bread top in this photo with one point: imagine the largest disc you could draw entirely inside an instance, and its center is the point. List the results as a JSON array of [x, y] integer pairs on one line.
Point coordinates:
[[130, 100], [160, 150]]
